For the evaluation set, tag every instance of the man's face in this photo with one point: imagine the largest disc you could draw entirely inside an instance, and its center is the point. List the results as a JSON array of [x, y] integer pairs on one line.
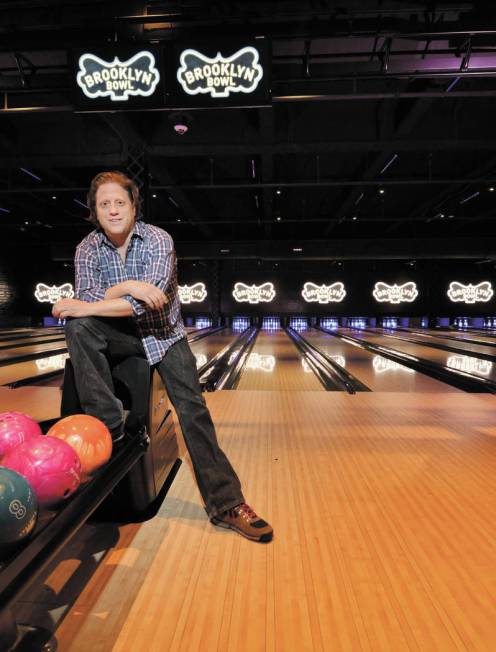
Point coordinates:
[[115, 212]]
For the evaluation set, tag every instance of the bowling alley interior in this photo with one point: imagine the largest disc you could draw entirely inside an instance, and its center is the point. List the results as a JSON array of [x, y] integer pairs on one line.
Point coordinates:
[[325, 174]]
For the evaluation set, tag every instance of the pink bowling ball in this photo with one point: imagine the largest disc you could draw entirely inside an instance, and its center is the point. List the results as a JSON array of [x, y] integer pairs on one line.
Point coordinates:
[[50, 465], [16, 428]]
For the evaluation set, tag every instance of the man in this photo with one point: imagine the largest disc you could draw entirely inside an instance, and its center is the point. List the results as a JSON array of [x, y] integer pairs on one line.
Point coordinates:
[[128, 304]]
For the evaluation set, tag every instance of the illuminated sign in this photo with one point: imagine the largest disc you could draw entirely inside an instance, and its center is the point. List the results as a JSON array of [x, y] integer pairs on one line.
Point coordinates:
[[261, 362], [323, 293], [384, 364], [481, 292], [264, 293], [219, 76], [116, 79], [192, 293], [385, 293], [53, 293], [470, 365], [53, 362]]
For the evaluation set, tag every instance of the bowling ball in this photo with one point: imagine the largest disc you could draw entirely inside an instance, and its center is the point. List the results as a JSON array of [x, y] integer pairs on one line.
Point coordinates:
[[15, 428], [18, 508], [88, 436], [51, 467]]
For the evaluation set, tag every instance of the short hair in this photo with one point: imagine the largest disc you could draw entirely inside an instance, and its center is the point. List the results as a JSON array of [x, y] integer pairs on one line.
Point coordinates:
[[112, 177]]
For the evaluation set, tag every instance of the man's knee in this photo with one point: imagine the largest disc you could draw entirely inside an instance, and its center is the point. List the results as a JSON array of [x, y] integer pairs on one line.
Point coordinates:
[[77, 327]]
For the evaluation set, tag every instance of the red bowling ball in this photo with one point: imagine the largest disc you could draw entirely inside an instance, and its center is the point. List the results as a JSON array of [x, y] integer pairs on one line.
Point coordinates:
[[51, 467], [16, 428]]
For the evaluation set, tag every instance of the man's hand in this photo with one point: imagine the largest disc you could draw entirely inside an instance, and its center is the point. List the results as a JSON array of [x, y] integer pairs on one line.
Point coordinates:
[[148, 293], [71, 308]]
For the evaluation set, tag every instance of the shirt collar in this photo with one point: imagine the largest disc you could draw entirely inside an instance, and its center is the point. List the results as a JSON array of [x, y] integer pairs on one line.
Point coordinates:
[[138, 231]]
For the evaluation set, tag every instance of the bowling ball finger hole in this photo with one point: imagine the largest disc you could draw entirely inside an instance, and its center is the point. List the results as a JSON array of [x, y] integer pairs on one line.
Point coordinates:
[[66, 493]]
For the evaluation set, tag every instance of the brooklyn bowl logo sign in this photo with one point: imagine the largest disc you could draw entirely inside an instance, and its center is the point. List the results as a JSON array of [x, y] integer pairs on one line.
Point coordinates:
[[254, 293], [53, 293], [192, 293], [385, 293], [481, 292], [239, 73], [118, 80], [323, 293]]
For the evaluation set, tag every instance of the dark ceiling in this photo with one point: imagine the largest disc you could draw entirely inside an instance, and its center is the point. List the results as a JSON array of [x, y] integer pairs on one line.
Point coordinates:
[[379, 141]]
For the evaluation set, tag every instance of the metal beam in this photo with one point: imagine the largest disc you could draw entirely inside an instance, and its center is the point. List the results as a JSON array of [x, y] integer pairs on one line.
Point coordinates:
[[322, 147], [325, 183]]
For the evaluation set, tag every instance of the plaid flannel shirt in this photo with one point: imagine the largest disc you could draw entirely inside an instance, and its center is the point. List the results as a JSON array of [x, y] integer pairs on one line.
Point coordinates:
[[151, 258]]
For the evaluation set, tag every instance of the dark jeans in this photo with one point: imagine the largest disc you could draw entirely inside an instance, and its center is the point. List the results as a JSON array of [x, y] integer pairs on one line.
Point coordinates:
[[94, 342]]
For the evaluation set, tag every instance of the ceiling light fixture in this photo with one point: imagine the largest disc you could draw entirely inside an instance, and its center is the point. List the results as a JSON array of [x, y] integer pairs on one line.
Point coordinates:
[[31, 174], [475, 194], [390, 162]]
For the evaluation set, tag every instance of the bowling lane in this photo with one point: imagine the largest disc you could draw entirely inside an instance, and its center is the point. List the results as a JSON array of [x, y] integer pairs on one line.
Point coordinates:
[[274, 363], [39, 339], [467, 363], [12, 353], [7, 334], [445, 335], [377, 372], [13, 373], [206, 348], [466, 348]]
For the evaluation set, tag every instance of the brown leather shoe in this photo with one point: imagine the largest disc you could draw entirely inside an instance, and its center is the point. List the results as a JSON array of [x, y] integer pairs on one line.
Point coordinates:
[[244, 520]]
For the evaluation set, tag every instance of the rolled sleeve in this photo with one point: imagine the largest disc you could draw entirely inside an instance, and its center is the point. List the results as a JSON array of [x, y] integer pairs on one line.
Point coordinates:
[[138, 308], [161, 264]]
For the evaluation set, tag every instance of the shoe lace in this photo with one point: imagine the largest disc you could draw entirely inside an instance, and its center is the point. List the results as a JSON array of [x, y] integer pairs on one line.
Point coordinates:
[[246, 510]]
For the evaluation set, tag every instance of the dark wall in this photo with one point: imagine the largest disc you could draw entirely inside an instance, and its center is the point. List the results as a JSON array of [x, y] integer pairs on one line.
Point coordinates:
[[20, 272], [432, 279]]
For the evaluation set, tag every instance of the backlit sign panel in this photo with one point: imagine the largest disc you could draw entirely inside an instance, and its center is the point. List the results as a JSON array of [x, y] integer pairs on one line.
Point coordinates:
[[323, 293], [458, 292], [53, 293], [192, 293], [385, 293], [217, 72], [118, 78], [264, 293], [219, 76]]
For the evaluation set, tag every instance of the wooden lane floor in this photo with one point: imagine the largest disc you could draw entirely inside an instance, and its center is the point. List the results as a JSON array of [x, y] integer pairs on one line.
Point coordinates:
[[274, 364], [207, 347], [377, 372], [447, 336], [32, 369], [42, 403], [465, 348], [25, 341], [382, 506], [463, 360], [12, 353]]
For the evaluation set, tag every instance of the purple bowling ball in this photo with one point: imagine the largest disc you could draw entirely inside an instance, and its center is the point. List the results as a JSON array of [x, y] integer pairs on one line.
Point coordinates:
[[50, 465], [16, 428]]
